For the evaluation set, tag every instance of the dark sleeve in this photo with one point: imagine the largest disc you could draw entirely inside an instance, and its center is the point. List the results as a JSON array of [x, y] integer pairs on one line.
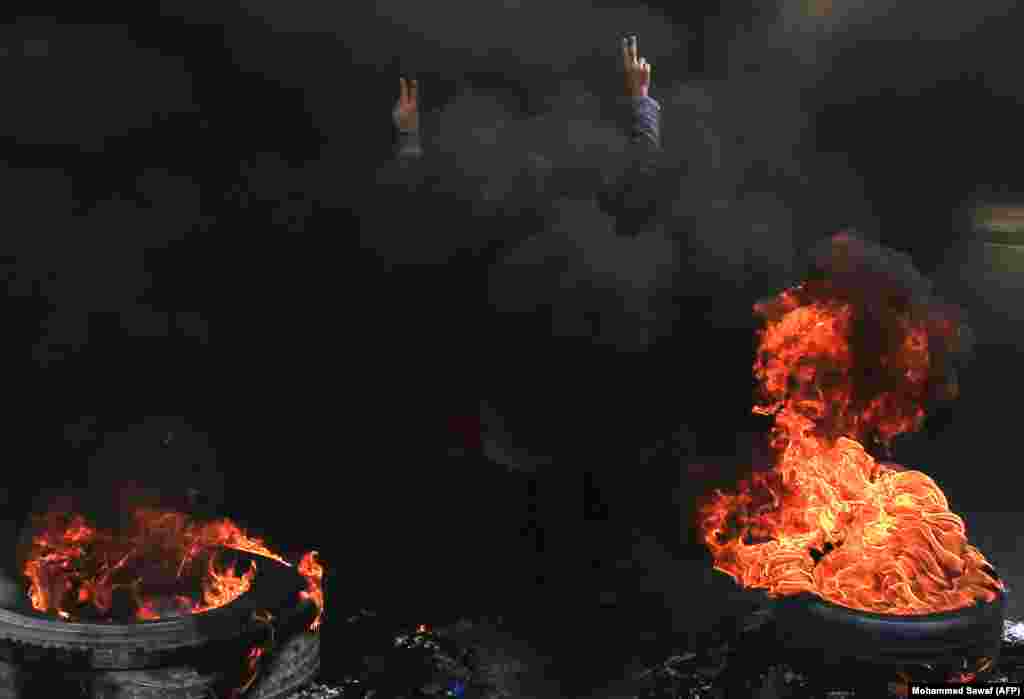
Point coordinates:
[[409, 146], [406, 169], [632, 191], [645, 124]]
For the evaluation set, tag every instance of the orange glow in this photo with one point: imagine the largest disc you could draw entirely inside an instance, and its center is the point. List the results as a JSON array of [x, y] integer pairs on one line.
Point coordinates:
[[167, 565], [252, 671], [961, 678], [313, 572], [828, 519]]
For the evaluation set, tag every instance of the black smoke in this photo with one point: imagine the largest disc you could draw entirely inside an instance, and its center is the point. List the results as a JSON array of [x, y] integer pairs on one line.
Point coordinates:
[[520, 116]]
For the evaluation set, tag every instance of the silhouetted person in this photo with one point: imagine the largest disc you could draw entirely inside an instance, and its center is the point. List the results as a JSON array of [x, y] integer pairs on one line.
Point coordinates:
[[627, 190]]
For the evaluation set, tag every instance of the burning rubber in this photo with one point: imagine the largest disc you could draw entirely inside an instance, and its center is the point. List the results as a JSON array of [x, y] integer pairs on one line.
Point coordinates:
[[853, 354], [163, 565], [165, 606]]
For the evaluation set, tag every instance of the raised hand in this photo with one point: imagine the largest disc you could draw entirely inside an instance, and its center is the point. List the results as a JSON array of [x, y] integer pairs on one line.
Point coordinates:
[[637, 70], [406, 114]]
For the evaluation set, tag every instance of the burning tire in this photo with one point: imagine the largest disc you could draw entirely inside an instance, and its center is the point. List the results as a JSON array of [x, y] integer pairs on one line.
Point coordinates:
[[807, 622], [155, 643], [259, 645], [157, 605], [866, 564]]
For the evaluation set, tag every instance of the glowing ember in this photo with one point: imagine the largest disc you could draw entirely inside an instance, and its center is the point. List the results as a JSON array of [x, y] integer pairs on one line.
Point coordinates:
[[851, 355], [166, 565]]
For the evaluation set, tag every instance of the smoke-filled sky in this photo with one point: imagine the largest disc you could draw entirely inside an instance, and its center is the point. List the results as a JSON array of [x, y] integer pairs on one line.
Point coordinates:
[[514, 86], [184, 175], [510, 87]]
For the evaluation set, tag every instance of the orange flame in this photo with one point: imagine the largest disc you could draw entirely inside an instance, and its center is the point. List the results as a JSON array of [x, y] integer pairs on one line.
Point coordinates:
[[166, 566], [313, 572], [828, 519], [252, 660]]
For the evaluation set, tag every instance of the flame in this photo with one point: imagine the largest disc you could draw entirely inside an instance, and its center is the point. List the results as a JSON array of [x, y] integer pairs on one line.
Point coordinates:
[[251, 672], [828, 519], [167, 565], [255, 654], [313, 572]]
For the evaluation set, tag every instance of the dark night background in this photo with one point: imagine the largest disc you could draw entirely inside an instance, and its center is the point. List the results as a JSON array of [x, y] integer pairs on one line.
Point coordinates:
[[476, 376]]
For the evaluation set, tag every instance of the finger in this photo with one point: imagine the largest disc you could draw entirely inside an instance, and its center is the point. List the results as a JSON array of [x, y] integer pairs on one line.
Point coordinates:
[[633, 47], [626, 60], [414, 87], [403, 94]]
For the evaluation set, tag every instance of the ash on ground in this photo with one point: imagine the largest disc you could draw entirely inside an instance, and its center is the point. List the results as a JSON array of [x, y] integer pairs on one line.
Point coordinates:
[[388, 661], [732, 660], [735, 665]]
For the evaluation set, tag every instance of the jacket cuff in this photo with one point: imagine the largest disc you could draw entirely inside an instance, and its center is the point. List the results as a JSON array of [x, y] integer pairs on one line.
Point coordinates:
[[409, 145], [645, 101], [646, 122]]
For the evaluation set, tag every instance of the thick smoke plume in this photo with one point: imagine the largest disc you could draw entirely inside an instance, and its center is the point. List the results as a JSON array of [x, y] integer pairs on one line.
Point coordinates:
[[521, 162], [528, 121], [84, 251]]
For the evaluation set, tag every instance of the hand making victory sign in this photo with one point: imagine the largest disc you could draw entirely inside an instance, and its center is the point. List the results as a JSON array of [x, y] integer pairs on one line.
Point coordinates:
[[406, 114], [645, 131], [638, 70]]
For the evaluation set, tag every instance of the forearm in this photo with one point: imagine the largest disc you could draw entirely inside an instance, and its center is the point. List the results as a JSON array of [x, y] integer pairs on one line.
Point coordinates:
[[406, 169], [631, 194], [409, 145], [645, 123]]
